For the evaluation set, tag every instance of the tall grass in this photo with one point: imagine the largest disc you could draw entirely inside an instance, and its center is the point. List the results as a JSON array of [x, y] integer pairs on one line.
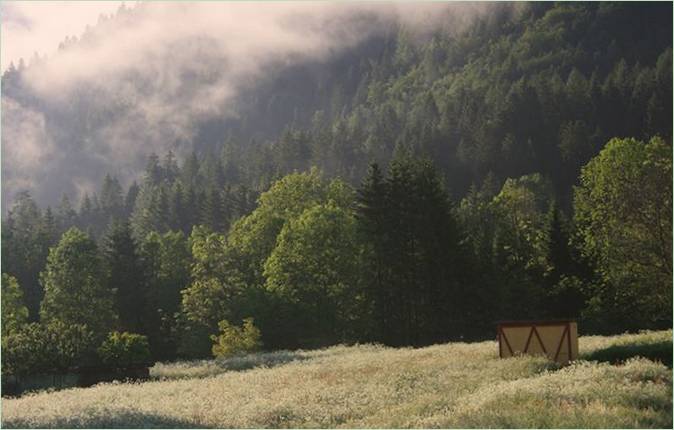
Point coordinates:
[[452, 385]]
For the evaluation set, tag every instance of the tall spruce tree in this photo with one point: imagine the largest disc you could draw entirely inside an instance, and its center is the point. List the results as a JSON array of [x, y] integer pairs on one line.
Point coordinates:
[[124, 276], [25, 248], [372, 214], [66, 216], [413, 243]]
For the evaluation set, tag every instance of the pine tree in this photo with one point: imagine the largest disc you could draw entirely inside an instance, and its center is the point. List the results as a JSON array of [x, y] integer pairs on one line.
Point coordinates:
[[48, 232], [111, 199], [86, 214], [211, 171], [230, 157], [189, 174], [150, 212], [25, 249], [66, 216], [176, 210], [130, 199], [170, 168], [563, 297], [125, 276], [153, 171], [212, 211], [372, 215], [407, 220], [191, 205]]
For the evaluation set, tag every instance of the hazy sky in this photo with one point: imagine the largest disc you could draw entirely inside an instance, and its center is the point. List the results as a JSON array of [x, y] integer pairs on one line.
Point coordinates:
[[39, 26]]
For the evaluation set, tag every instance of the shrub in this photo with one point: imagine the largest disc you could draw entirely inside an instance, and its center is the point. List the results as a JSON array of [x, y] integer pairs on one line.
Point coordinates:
[[41, 348], [236, 340], [124, 350]]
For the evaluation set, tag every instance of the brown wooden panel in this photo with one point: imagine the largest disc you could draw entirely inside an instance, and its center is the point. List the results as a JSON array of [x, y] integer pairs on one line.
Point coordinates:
[[556, 339]]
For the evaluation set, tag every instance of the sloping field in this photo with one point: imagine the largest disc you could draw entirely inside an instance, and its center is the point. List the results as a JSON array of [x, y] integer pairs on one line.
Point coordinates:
[[451, 385]]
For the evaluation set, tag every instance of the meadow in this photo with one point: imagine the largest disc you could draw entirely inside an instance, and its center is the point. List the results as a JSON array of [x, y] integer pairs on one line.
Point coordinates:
[[448, 385]]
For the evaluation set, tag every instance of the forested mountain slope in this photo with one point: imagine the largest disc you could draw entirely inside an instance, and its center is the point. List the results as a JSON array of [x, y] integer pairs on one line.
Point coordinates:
[[412, 186], [535, 88]]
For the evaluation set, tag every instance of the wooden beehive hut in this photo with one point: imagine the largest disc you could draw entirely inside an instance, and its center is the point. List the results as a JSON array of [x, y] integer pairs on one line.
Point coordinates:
[[556, 339]]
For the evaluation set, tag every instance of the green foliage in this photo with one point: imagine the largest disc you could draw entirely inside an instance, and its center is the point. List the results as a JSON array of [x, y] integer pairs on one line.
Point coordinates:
[[124, 350], [25, 246], [254, 236], [207, 300], [216, 288], [125, 276], [74, 291], [520, 244], [41, 348], [234, 340], [411, 258], [166, 261], [315, 266], [623, 210], [192, 338], [14, 312], [522, 208]]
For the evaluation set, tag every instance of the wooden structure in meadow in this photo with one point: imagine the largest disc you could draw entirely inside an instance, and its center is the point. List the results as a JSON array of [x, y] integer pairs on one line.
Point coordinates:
[[556, 339]]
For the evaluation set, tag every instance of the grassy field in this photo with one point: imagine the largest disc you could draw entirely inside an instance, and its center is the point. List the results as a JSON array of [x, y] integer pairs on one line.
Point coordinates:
[[451, 385]]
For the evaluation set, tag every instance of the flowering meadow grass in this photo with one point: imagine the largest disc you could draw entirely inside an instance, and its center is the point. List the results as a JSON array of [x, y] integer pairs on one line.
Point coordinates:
[[450, 385]]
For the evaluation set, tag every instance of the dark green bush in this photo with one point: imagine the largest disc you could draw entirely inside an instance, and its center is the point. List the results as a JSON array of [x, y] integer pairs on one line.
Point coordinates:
[[657, 351], [124, 350], [43, 348], [192, 338]]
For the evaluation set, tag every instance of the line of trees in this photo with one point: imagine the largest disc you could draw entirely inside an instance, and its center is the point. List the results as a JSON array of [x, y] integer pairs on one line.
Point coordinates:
[[317, 262]]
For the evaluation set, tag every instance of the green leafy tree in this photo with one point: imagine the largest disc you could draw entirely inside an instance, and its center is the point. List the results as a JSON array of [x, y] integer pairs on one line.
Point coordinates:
[[521, 244], [216, 289], [623, 212], [522, 207], [41, 348], [74, 288], [14, 312], [252, 238], [316, 267]]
